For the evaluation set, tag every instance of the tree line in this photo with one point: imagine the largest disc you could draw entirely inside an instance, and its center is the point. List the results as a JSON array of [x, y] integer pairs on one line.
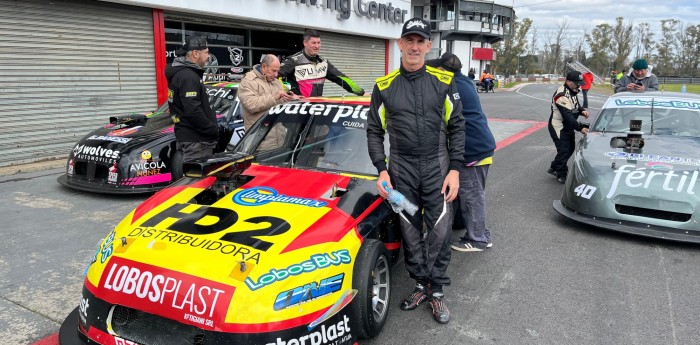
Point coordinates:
[[605, 48]]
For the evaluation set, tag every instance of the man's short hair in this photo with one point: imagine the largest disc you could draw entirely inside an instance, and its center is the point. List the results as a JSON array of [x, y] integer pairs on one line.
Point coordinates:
[[267, 59], [311, 33]]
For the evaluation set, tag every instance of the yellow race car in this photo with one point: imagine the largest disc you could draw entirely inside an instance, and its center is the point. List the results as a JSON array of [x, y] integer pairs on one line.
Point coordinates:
[[281, 240]]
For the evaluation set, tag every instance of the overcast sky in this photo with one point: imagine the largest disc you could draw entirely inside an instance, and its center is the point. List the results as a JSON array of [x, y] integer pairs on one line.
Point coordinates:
[[586, 14]]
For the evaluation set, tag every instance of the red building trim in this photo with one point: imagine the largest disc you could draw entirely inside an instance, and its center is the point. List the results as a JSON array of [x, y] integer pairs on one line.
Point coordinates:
[[159, 46]]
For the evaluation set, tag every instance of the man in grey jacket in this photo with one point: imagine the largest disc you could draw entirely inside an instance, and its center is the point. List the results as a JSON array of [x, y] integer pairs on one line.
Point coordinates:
[[639, 80]]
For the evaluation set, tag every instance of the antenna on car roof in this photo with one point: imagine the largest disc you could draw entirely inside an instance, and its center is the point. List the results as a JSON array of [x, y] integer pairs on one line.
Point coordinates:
[[652, 116]]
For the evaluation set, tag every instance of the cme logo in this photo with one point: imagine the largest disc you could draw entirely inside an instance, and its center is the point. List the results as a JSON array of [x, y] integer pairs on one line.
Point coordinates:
[[258, 196]]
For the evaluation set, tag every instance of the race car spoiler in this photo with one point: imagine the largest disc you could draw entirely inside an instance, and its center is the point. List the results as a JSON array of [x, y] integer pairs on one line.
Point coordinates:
[[222, 165], [131, 119]]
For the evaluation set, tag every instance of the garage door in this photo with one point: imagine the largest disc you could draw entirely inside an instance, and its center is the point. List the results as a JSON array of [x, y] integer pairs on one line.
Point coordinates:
[[360, 58], [65, 66]]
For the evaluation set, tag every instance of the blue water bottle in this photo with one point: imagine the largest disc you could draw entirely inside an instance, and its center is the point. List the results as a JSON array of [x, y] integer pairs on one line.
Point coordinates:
[[399, 202]]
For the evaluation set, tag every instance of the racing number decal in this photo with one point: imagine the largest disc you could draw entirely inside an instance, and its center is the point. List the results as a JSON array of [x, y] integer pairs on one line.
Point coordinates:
[[585, 191], [187, 222], [277, 226]]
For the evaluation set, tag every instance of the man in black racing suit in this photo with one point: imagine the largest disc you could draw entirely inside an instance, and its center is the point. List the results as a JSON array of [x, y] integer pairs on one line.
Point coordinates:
[[306, 71], [563, 121], [420, 109]]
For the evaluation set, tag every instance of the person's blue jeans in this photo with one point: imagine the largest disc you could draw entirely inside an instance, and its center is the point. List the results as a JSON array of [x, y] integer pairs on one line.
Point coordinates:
[[472, 203]]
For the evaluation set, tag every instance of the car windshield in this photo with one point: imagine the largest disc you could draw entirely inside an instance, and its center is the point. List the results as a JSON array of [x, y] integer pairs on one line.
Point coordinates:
[[310, 141], [222, 99], [676, 121]]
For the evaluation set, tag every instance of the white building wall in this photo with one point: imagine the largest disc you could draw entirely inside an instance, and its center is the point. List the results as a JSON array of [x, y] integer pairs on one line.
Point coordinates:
[[301, 14], [295, 13]]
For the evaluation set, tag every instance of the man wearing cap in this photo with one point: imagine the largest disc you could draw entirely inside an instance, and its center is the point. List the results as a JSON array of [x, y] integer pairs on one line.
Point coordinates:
[[639, 80], [419, 107], [196, 130], [563, 122], [479, 146], [306, 71]]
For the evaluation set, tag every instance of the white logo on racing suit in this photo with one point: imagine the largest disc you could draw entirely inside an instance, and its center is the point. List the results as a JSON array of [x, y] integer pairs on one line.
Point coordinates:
[[334, 334], [642, 178]]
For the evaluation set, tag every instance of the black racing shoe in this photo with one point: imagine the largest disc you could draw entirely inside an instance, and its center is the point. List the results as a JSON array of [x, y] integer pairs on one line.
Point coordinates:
[[419, 294], [561, 179], [552, 172], [437, 303]]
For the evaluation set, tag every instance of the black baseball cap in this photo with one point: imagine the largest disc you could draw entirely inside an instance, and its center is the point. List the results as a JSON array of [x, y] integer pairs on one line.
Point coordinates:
[[193, 43], [448, 61], [416, 26], [576, 77]]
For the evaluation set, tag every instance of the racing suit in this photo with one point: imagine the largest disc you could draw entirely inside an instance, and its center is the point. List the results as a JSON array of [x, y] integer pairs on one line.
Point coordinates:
[[306, 74], [422, 113], [196, 130], [565, 110]]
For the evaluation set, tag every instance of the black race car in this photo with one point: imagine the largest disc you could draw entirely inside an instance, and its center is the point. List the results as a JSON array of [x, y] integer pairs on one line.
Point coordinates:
[[135, 153]]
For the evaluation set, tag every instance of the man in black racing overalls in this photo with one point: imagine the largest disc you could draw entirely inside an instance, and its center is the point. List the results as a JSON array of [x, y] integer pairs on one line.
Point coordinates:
[[420, 109]]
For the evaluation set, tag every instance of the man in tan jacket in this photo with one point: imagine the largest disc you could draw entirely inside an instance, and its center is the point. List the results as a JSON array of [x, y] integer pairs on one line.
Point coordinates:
[[259, 91]]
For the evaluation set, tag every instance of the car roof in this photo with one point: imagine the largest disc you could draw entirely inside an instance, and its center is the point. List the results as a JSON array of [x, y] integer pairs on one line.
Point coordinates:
[[656, 94], [652, 95]]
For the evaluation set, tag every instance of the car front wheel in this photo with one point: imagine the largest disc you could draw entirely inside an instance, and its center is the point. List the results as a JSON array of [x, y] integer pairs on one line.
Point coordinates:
[[372, 280]]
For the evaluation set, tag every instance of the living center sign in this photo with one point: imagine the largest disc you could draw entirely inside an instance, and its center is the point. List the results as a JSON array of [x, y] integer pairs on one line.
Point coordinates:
[[362, 8]]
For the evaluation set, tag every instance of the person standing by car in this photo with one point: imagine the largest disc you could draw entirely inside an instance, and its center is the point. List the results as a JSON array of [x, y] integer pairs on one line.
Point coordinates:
[[641, 79], [479, 146], [419, 107], [306, 71], [196, 131], [588, 80], [259, 91], [563, 122]]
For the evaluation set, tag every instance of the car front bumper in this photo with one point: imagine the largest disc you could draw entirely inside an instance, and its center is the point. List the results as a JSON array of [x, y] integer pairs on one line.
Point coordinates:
[[635, 228]]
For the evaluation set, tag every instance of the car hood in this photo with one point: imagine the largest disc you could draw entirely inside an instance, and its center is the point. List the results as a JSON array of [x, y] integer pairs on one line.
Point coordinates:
[[661, 176], [124, 138], [225, 265]]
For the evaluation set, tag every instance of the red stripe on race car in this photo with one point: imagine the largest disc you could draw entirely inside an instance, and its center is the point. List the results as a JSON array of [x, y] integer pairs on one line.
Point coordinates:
[[165, 194], [332, 227], [299, 183], [100, 337]]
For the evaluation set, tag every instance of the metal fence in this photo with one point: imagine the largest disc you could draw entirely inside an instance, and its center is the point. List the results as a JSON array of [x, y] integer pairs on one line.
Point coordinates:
[[678, 80]]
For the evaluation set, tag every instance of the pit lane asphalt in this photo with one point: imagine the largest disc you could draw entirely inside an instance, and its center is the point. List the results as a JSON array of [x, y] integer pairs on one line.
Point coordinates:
[[547, 280]]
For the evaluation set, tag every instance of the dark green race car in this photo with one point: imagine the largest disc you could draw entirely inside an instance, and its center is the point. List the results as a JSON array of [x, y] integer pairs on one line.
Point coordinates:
[[638, 169]]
